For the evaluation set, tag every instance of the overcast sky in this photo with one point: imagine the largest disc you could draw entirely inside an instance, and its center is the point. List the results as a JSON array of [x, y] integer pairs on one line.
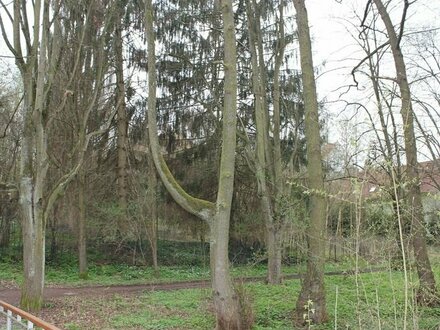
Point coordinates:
[[330, 23]]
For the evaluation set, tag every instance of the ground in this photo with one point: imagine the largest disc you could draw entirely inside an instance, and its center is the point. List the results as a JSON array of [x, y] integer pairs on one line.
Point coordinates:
[[95, 307]]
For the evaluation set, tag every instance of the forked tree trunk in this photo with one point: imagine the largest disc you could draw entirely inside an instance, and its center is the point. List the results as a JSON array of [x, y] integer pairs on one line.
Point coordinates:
[[38, 67], [227, 306], [312, 294], [427, 293]]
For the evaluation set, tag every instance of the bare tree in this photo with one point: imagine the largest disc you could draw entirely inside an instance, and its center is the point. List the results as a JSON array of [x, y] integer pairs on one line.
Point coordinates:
[[37, 52], [427, 293]]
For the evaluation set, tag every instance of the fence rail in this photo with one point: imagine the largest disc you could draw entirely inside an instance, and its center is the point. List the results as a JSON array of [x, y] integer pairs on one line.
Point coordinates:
[[19, 319]]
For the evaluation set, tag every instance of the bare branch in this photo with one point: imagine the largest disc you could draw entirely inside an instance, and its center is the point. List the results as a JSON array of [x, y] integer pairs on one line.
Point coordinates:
[[12, 118]]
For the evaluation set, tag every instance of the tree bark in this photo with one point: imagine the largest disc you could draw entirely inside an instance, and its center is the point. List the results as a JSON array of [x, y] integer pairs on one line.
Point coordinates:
[[427, 293], [151, 220], [312, 290]]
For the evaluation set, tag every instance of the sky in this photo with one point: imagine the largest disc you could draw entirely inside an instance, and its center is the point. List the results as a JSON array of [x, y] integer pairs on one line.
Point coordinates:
[[335, 50]]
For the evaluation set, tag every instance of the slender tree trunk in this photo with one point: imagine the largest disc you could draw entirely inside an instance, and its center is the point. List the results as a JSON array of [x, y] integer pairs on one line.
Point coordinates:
[[313, 284], [5, 224], [427, 293], [264, 167], [82, 233], [151, 221], [53, 231], [274, 271], [122, 124]]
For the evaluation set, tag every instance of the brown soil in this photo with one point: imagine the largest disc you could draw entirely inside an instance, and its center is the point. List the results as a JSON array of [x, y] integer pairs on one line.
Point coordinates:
[[12, 295]]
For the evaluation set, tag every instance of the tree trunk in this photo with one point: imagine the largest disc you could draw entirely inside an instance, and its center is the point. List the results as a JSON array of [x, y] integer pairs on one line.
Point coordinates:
[[122, 125], [313, 284], [5, 224], [427, 293], [33, 246], [33, 168], [82, 233], [151, 220], [274, 245], [53, 226], [264, 166], [227, 306]]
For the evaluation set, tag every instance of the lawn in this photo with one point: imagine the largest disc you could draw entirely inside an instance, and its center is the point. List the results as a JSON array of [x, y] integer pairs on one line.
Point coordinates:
[[367, 301]]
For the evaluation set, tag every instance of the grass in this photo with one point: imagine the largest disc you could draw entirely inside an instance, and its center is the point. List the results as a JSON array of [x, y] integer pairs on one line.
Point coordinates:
[[122, 274], [377, 304], [370, 301]]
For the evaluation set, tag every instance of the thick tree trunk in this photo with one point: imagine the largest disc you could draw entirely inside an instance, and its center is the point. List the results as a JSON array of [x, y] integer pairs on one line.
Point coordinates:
[[33, 246], [274, 245], [34, 164], [312, 294], [226, 301], [427, 293]]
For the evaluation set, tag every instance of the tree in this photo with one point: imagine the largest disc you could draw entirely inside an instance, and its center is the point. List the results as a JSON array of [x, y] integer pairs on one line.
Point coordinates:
[[271, 176], [37, 53], [216, 215], [427, 292], [122, 126], [312, 290]]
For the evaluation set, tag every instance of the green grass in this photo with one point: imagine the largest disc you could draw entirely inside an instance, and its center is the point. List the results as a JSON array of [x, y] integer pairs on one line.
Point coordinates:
[[372, 301], [379, 303], [120, 274]]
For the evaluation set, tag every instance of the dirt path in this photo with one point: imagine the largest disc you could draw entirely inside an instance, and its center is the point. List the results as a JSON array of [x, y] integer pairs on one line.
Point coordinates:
[[12, 296]]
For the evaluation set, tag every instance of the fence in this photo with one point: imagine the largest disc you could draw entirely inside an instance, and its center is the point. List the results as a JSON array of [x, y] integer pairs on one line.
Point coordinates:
[[19, 319]]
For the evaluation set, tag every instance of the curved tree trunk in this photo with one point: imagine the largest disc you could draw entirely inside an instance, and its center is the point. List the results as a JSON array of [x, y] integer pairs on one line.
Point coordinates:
[[427, 293], [312, 294], [217, 215]]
